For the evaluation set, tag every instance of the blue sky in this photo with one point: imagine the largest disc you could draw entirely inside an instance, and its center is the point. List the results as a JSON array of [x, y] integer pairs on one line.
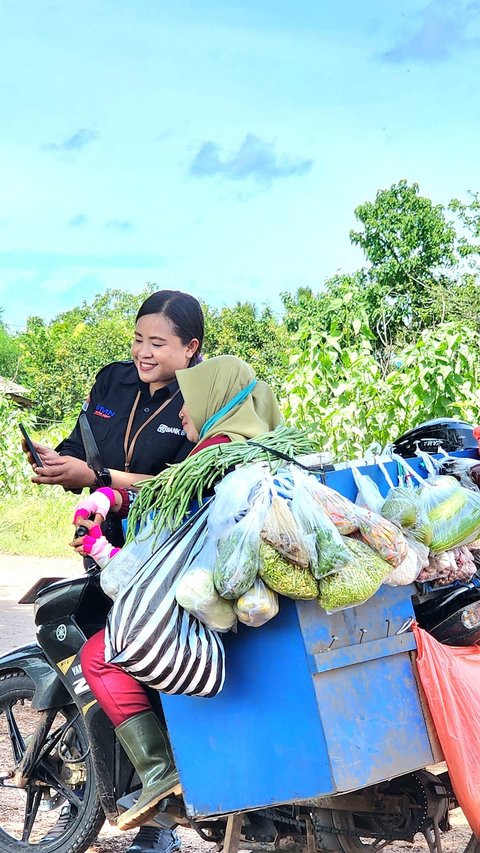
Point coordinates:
[[219, 147]]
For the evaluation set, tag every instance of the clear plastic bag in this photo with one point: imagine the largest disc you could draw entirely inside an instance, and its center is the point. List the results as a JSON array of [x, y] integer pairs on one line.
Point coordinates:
[[462, 470], [409, 569], [195, 591], [120, 570], [383, 536], [327, 550], [285, 578], [454, 512], [355, 582], [369, 495], [234, 496], [281, 531], [238, 557], [257, 606], [401, 506], [448, 567], [338, 508]]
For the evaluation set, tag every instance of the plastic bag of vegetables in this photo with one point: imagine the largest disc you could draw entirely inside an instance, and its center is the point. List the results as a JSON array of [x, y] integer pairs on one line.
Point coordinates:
[[403, 507], [234, 495], [281, 531], [357, 581], [238, 558], [338, 508], [451, 566], [327, 551], [284, 578], [195, 592], [383, 536], [257, 606], [409, 569], [453, 512]]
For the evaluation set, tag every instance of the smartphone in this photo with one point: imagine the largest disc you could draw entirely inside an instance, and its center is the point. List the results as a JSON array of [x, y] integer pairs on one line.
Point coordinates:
[[28, 442]]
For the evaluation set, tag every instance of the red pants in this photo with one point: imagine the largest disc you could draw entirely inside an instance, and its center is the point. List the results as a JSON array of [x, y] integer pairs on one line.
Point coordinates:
[[120, 695]]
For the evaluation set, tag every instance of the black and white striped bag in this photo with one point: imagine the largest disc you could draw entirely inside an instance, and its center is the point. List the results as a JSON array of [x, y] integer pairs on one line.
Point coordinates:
[[150, 636]]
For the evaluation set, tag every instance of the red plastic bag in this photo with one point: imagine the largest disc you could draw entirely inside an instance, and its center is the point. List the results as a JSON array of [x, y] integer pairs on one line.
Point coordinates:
[[450, 676]]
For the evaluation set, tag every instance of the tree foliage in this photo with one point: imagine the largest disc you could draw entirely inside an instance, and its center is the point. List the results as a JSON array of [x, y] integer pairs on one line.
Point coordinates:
[[409, 246], [60, 359], [344, 394], [9, 352], [372, 353]]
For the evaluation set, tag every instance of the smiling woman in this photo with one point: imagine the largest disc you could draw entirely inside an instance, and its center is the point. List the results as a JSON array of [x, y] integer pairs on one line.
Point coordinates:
[[133, 408], [157, 350]]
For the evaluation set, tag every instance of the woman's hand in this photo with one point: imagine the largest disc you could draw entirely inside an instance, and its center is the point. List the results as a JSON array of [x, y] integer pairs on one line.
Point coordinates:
[[46, 454], [64, 471], [94, 544], [98, 505]]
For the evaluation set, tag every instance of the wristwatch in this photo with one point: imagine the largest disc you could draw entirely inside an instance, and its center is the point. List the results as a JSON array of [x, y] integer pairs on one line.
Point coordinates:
[[103, 477]]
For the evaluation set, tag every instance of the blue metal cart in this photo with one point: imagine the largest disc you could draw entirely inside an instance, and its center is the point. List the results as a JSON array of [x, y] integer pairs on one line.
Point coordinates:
[[313, 705]]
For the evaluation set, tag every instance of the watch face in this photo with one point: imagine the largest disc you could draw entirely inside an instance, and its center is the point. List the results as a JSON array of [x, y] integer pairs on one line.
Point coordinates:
[[104, 477]]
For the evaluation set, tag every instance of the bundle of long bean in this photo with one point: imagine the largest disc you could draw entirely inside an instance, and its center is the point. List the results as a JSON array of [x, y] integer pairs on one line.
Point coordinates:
[[168, 495]]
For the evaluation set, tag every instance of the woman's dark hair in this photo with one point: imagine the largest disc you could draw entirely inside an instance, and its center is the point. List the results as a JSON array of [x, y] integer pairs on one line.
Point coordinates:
[[184, 312]]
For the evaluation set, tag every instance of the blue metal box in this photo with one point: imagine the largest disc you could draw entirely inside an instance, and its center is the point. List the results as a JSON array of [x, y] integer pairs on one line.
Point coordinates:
[[313, 705]]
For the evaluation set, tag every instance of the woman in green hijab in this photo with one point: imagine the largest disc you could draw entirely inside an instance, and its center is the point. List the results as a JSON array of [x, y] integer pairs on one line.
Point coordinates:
[[223, 401]]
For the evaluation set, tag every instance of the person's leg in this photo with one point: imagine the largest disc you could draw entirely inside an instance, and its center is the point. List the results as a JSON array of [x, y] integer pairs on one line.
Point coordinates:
[[137, 727], [119, 694]]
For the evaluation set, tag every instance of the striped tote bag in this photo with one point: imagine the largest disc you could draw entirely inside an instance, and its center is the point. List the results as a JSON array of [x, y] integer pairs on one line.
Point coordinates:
[[150, 636]]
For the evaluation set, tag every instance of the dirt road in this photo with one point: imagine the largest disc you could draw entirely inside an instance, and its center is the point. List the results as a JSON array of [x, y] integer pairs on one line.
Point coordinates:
[[17, 575]]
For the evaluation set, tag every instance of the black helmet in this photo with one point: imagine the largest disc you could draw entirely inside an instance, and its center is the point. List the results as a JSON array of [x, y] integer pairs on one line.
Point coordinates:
[[448, 433]]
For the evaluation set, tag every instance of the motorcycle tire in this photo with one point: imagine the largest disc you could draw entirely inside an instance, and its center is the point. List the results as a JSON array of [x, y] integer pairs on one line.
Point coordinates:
[[325, 836], [58, 811]]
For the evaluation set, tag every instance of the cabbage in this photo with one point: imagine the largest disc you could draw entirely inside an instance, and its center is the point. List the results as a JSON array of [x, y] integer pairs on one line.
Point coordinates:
[[196, 593]]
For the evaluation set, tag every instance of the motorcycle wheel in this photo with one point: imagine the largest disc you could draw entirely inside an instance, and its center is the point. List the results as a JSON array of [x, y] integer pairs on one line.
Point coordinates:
[[343, 843], [58, 811]]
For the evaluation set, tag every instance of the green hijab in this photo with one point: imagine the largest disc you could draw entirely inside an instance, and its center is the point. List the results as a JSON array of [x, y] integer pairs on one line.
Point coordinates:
[[210, 385]]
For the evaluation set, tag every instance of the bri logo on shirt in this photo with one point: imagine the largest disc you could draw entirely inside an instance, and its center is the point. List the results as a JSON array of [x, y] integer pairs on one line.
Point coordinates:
[[173, 430], [102, 412]]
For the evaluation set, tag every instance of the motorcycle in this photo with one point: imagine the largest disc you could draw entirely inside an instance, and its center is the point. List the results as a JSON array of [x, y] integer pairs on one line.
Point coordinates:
[[62, 770]]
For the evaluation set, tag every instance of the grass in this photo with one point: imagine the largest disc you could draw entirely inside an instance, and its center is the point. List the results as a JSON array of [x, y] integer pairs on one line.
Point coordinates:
[[37, 525]]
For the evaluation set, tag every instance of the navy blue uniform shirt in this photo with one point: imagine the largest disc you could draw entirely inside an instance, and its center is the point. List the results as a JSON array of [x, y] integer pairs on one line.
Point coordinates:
[[112, 397]]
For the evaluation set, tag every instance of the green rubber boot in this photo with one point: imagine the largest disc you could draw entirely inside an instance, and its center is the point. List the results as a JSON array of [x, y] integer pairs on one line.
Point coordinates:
[[146, 743]]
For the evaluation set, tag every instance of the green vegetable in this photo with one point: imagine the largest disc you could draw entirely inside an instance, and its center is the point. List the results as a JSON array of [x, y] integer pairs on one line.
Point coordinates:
[[284, 578], [401, 506], [452, 511], [332, 553], [196, 593], [355, 582], [236, 565], [169, 495]]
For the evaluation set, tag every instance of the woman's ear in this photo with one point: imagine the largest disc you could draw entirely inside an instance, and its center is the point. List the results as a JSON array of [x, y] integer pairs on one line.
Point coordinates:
[[192, 347]]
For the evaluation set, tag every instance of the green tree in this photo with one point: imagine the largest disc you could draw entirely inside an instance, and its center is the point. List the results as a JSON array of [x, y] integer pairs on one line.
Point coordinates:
[[348, 399], [256, 336], [9, 352], [410, 248]]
